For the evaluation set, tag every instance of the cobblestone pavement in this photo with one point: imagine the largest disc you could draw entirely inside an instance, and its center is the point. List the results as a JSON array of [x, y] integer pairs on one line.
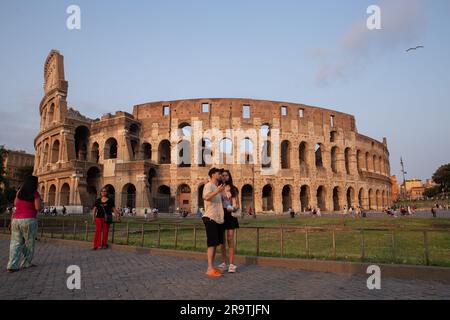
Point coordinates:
[[107, 274]]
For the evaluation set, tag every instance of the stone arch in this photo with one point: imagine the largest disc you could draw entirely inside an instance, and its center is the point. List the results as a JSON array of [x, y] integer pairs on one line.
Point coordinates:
[[367, 162], [285, 154], [321, 196], [226, 151], [184, 197], [64, 195], [246, 151], [82, 134], [134, 129], [361, 200], [350, 197], [46, 154], [378, 199], [247, 198], [347, 156], [319, 155], [359, 160], [55, 151], [184, 153], [303, 154], [95, 152], [267, 198], [304, 198], [51, 114], [52, 195], [110, 151], [129, 196], [205, 153], [93, 180], [334, 159], [371, 199], [336, 198], [164, 152], [146, 151], [286, 196]]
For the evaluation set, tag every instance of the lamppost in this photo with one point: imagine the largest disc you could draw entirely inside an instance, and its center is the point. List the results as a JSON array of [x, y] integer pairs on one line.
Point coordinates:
[[404, 180]]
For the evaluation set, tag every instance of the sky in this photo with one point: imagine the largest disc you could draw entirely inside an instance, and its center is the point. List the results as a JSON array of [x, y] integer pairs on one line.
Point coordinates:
[[319, 53]]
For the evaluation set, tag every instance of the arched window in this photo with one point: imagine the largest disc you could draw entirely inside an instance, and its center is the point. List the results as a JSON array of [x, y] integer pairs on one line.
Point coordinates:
[[110, 149], [226, 151], [334, 155], [81, 141], [318, 153], [65, 195], [347, 160], [205, 153], [164, 152], [55, 151], [147, 151], [246, 150], [267, 198], [266, 148], [95, 153], [302, 154], [285, 154]]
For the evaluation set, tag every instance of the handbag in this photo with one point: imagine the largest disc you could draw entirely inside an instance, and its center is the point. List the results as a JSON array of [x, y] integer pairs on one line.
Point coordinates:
[[237, 213], [108, 217]]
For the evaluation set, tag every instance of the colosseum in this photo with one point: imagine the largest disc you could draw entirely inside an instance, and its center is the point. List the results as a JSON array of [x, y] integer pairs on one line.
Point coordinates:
[[281, 154]]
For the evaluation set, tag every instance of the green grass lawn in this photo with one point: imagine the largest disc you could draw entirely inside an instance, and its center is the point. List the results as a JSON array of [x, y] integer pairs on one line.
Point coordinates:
[[384, 240]]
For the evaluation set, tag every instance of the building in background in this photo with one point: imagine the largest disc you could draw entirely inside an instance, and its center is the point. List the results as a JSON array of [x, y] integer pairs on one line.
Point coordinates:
[[159, 155], [12, 161], [414, 189], [394, 186]]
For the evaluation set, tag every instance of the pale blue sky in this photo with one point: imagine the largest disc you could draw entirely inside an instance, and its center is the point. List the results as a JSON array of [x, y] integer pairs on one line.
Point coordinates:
[[312, 52]]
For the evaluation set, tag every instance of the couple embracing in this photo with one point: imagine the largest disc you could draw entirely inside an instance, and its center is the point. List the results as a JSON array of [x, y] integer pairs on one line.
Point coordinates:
[[221, 206]]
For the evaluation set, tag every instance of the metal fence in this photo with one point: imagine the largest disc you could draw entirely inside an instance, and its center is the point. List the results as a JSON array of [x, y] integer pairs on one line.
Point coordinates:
[[384, 245]]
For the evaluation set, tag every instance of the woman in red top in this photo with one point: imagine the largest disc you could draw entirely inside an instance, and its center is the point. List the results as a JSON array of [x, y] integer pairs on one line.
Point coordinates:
[[102, 217], [24, 225]]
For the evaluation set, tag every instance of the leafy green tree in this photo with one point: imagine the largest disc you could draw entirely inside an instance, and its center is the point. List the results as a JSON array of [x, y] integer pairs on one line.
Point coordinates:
[[442, 177], [432, 192]]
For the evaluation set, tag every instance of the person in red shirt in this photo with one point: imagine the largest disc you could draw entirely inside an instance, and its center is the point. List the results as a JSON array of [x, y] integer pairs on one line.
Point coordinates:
[[103, 210], [24, 225]]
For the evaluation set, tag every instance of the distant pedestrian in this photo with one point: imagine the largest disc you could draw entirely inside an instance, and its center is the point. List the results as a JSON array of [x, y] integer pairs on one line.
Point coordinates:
[[433, 212], [145, 214], [24, 225], [64, 210]]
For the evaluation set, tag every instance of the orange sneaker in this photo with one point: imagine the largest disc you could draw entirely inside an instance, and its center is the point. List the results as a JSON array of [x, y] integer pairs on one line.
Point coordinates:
[[213, 273]]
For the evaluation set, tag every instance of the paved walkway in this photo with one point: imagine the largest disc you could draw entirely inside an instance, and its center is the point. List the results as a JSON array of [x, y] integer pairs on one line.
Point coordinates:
[[120, 275]]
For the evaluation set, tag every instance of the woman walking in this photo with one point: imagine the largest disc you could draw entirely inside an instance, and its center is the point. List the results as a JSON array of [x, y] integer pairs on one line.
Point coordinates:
[[103, 210], [230, 203], [24, 225]]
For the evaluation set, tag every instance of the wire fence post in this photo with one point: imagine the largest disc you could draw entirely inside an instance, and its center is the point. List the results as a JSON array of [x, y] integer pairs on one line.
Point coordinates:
[[159, 236], [393, 245], [334, 244], [257, 241], [42, 229], [86, 225], [195, 237], [142, 235], [307, 242], [176, 236], [281, 241], [128, 232], [362, 245], [425, 245], [113, 233], [74, 230]]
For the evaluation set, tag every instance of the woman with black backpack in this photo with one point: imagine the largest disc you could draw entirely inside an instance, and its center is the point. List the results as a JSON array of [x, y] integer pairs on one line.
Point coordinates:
[[103, 210]]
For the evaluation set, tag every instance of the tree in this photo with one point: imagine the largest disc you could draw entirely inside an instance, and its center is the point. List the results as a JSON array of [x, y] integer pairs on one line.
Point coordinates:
[[432, 192], [24, 172], [442, 177]]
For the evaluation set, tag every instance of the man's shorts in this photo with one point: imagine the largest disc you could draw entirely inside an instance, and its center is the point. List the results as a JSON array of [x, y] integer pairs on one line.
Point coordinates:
[[214, 232]]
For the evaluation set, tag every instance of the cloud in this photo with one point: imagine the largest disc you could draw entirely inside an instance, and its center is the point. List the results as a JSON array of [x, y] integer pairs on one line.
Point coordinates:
[[402, 22]]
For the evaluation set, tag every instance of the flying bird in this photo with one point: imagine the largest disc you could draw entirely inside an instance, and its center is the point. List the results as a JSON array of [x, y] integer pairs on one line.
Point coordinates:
[[414, 48]]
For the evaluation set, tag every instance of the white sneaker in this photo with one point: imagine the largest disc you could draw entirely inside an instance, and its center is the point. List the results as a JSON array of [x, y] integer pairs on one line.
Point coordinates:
[[232, 268], [222, 266]]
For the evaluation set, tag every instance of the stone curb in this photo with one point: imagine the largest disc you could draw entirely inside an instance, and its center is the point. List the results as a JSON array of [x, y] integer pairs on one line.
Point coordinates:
[[426, 273]]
